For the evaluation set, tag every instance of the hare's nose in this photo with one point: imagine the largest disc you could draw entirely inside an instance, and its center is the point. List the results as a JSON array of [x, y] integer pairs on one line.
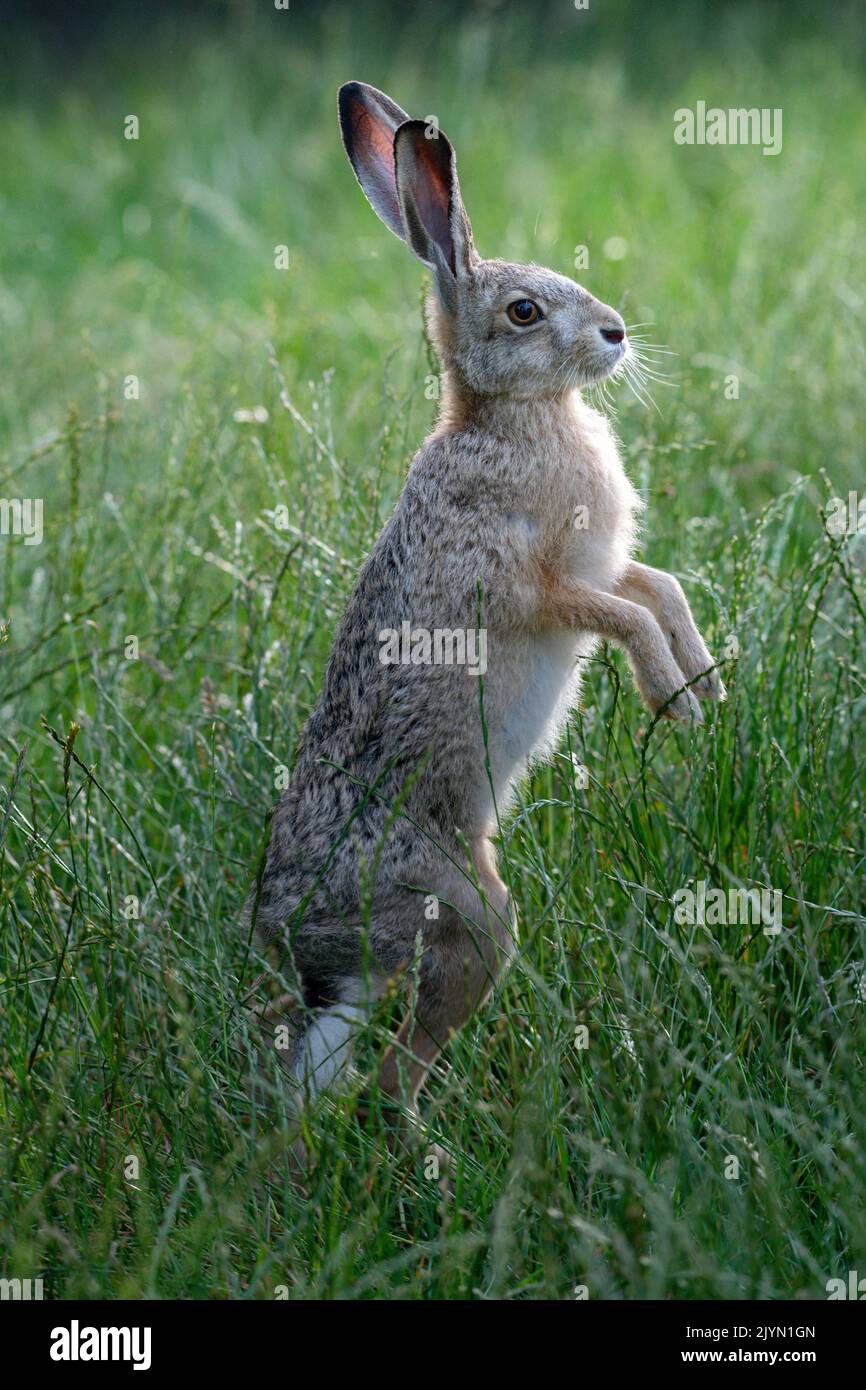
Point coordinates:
[[612, 335]]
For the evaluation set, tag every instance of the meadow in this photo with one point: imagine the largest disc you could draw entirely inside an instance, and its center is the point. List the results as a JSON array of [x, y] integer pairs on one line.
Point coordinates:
[[645, 1108]]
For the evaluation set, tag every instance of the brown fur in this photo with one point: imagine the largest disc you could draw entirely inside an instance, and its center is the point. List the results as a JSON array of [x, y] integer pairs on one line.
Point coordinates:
[[396, 792]]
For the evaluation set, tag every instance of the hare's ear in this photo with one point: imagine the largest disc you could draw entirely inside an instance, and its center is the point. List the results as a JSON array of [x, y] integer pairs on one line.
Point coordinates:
[[436, 226], [368, 120]]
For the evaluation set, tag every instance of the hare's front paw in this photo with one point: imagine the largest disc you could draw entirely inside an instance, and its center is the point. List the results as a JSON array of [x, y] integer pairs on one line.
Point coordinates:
[[661, 684], [687, 645], [683, 707], [710, 687], [657, 681], [690, 653]]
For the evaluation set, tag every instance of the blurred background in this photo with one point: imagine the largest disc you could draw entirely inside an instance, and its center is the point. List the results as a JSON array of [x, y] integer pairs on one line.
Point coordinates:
[[122, 256]]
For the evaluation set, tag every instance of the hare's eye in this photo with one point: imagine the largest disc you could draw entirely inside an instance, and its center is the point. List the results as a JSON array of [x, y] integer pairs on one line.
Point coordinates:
[[523, 312]]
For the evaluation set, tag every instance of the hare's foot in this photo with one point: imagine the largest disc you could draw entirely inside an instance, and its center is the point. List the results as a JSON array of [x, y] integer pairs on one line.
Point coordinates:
[[663, 596], [407, 1139], [691, 655], [662, 687]]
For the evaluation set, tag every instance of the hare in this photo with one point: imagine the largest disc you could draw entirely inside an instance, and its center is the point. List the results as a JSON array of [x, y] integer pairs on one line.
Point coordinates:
[[512, 540]]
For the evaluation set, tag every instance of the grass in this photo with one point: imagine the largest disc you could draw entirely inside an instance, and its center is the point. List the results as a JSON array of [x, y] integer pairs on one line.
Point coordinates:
[[138, 1158]]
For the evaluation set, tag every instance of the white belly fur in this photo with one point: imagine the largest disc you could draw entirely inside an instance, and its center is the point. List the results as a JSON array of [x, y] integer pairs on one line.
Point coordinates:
[[538, 708], [534, 678]]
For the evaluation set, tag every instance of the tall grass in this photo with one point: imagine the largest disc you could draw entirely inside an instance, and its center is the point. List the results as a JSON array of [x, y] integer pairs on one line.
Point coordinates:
[[143, 1153]]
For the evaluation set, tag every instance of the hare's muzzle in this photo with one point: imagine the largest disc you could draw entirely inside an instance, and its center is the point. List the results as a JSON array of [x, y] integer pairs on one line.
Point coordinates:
[[610, 327]]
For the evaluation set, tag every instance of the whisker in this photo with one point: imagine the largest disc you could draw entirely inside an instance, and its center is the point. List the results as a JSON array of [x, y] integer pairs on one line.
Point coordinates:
[[653, 347], [661, 378], [637, 386], [643, 371], [649, 360]]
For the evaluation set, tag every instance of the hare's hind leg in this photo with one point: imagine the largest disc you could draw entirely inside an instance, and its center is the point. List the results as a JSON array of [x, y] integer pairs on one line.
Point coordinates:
[[462, 958]]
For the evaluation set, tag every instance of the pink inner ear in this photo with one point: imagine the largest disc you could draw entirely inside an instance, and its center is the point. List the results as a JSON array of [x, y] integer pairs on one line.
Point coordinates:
[[374, 142], [378, 140], [433, 198]]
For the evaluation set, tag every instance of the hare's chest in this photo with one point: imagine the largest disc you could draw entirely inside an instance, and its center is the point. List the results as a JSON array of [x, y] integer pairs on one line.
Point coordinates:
[[592, 531]]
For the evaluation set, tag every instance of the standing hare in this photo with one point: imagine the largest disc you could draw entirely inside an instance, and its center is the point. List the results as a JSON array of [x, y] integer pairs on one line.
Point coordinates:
[[381, 857]]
